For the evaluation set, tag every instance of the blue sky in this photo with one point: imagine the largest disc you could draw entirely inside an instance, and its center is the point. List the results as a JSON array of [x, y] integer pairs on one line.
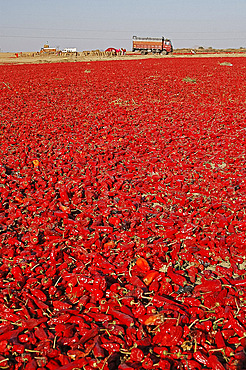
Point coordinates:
[[25, 25]]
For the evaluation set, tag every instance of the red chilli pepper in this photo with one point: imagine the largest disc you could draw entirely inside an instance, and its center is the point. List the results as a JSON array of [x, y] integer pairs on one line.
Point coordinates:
[[200, 357], [122, 317], [111, 347], [214, 363], [175, 277], [73, 365], [142, 264], [191, 365], [219, 340], [137, 355]]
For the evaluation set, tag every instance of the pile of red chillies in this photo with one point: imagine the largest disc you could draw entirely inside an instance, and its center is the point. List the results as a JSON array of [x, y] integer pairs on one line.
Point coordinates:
[[123, 215]]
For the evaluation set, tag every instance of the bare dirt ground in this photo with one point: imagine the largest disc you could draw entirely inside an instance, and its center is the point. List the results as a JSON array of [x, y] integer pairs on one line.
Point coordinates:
[[34, 58]]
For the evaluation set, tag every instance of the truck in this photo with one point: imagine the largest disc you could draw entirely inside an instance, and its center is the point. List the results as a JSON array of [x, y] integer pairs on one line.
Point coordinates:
[[155, 45]]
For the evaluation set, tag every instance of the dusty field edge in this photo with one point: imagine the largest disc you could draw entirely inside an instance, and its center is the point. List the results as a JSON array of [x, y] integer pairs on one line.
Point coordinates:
[[58, 59]]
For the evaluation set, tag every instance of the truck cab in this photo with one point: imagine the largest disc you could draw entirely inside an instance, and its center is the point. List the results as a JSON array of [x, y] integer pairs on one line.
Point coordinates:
[[168, 45]]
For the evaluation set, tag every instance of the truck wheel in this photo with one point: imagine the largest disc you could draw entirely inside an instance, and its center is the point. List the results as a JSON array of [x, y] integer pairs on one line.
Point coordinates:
[[143, 52], [164, 52]]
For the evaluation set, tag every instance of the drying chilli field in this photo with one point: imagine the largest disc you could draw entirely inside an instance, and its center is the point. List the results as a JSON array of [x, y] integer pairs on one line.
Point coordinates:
[[123, 215]]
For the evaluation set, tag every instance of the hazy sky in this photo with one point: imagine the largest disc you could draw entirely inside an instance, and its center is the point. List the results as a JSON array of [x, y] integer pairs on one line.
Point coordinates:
[[26, 25]]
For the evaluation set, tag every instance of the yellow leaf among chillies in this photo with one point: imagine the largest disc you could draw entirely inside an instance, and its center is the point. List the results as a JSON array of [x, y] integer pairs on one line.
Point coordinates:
[[35, 163], [150, 277]]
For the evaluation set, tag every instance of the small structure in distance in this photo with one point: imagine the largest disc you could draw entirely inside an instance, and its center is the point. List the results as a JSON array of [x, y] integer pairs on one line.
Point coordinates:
[[115, 51], [69, 50], [48, 50]]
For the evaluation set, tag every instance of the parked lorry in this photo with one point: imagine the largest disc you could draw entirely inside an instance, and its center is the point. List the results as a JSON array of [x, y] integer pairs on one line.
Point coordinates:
[[146, 45]]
